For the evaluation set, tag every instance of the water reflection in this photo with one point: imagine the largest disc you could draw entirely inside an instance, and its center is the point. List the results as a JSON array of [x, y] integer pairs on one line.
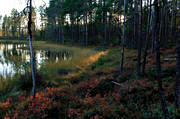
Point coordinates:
[[14, 59]]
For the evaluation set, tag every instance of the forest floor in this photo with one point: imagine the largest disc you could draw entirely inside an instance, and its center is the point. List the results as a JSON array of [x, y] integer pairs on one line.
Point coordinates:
[[92, 94]]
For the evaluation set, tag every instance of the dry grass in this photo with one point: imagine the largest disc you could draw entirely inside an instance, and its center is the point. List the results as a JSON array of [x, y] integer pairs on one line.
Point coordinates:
[[85, 63]]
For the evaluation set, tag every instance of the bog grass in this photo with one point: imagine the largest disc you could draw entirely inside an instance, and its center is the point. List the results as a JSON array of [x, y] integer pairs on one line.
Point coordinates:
[[82, 58]]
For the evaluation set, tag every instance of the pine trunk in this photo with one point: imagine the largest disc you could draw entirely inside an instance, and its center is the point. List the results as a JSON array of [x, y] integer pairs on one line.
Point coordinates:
[[139, 39], [158, 63], [147, 39], [123, 40], [72, 30], [105, 22], [31, 50], [177, 85]]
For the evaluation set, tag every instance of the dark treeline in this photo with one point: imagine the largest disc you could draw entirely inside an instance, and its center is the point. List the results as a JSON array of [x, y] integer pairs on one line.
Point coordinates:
[[100, 22], [97, 22]]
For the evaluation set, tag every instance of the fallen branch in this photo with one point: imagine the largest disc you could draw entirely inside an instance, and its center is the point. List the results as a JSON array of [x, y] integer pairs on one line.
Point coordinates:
[[169, 59], [117, 84]]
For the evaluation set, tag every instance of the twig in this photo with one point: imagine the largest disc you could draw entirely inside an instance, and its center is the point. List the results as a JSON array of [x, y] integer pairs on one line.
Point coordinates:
[[118, 84]]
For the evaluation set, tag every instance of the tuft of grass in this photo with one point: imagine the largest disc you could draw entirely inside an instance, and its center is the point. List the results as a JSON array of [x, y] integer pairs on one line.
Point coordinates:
[[7, 87]]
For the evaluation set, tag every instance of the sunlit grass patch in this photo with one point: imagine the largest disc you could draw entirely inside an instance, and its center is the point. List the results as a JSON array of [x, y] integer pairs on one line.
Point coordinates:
[[81, 60], [113, 57]]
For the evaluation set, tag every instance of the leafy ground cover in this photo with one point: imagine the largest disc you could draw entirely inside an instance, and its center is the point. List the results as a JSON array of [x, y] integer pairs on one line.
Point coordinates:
[[92, 94]]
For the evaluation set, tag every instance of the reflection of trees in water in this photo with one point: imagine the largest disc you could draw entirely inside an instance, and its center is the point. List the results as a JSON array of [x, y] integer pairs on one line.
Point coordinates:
[[61, 55], [13, 54], [16, 51]]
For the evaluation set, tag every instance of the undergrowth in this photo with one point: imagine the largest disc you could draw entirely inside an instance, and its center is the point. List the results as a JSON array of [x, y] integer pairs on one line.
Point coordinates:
[[92, 94]]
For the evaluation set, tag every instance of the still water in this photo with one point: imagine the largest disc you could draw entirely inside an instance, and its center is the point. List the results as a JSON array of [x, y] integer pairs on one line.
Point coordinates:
[[15, 59]]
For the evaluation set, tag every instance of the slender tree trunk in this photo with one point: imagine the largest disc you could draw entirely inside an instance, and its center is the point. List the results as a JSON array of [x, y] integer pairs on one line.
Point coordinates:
[[31, 50], [22, 34], [59, 32], [42, 30], [147, 39], [109, 27], [163, 23], [105, 23], [139, 39], [18, 33], [78, 34], [94, 32], [173, 21], [54, 31], [72, 30], [158, 63], [119, 32], [153, 36], [62, 35], [7, 33], [135, 23], [161, 26], [86, 30], [123, 40], [177, 84], [166, 26]]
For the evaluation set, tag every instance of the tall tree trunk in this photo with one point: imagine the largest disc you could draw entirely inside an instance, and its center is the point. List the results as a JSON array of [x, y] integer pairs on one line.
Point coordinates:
[[86, 30], [109, 27], [119, 32], [177, 84], [62, 35], [42, 30], [78, 30], [22, 34], [166, 26], [173, 21], [139, 39], [59, 31], [158, 63], [31, 50], [153, 36], [19, 32], [147, 39], [72, 29], [86, 22], [161, 37], [163, 19], [135, 23], [105, 22], [54, 30], [123, 40], [7, 33]]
